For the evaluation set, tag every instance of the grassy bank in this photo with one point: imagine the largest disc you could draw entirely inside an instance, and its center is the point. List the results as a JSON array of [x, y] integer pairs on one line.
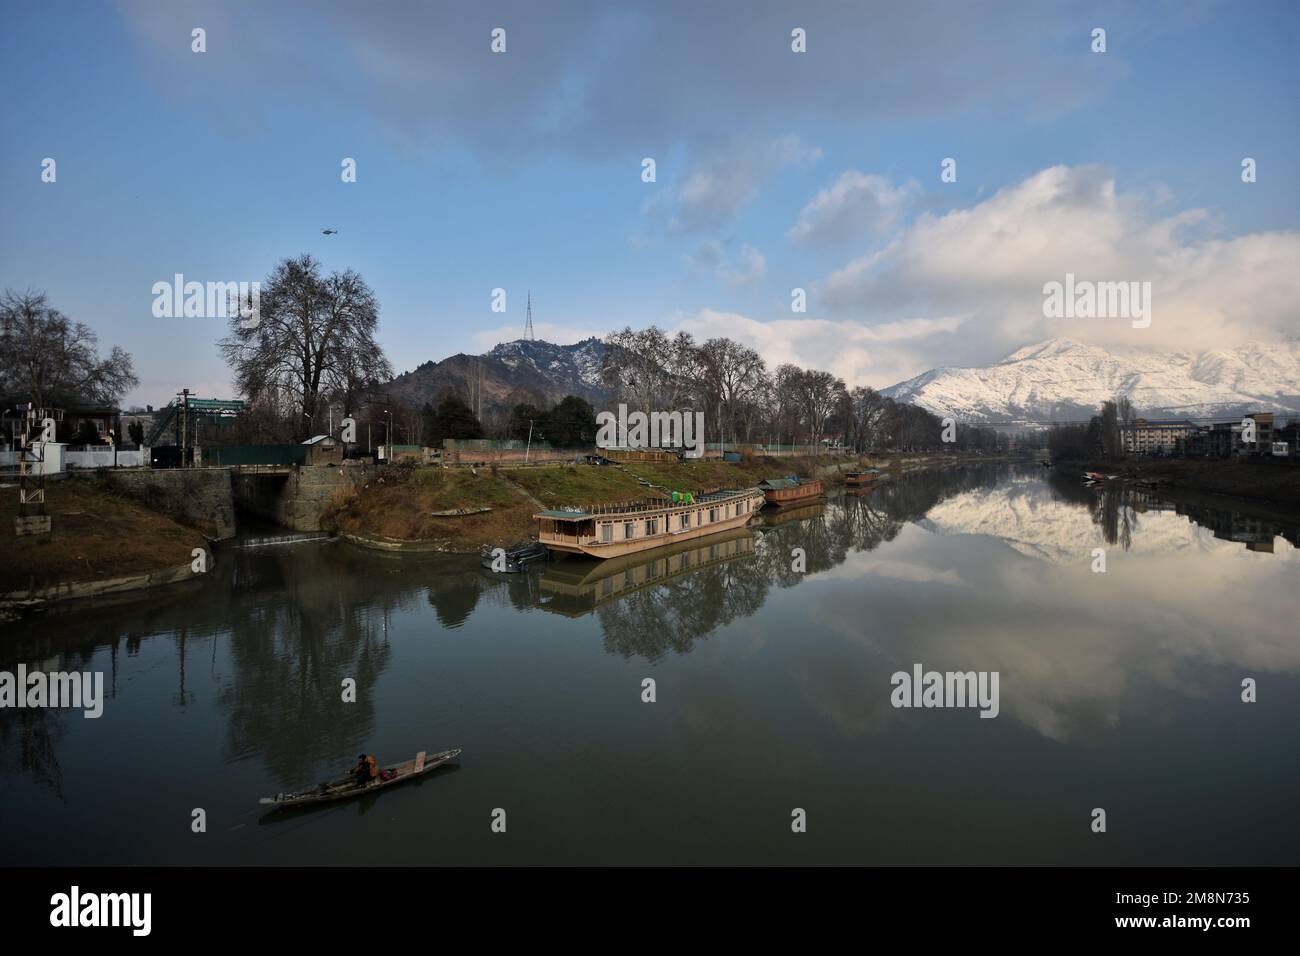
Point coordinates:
[[96, 533]]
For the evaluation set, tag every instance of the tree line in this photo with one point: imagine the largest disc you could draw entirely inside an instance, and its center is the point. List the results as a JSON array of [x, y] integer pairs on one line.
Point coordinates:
[[746, 402], [1101, 437]]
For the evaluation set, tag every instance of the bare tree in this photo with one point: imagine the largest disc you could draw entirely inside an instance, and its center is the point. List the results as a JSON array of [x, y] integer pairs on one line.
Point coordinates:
[[787, 384], [649, 370], [820, 393], [733, 371], [315, 334], [49, 359]]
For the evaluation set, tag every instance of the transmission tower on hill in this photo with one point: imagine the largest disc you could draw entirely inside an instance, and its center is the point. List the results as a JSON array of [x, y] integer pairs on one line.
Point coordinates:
[[528, 320]]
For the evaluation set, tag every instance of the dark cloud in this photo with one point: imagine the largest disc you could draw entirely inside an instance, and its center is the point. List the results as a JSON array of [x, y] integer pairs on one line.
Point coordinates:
[[611, 80]]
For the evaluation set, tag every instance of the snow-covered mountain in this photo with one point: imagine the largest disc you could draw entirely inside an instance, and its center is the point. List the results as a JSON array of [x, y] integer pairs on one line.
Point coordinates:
[[1061, 379]]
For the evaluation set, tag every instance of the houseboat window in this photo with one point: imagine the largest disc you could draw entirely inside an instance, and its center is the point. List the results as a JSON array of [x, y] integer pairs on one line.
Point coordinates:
[[686, 519], [607, 532], [627, 530], [652, 526], [713, 514]]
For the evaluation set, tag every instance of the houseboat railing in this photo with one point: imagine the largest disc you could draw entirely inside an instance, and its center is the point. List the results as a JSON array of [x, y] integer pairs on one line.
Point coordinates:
[[655, 504]]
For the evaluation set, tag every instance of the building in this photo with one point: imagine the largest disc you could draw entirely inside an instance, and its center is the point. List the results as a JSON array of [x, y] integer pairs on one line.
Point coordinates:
[[1155, 436], [1232, 439], [324, 450]]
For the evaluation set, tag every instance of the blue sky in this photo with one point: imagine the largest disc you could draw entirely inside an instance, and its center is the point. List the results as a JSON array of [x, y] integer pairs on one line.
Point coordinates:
[[522, 170]]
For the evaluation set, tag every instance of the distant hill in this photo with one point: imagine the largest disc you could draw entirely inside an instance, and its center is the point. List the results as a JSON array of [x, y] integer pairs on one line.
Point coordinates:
[[1060, 379], [508, 373]]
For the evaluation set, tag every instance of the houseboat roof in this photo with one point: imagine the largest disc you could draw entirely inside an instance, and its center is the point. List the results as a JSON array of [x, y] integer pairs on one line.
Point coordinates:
[[773, 484], [639, 507]]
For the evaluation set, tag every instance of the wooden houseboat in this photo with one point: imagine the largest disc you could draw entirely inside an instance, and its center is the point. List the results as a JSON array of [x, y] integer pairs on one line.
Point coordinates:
[[860, 479], [609, 531], [789, 491]]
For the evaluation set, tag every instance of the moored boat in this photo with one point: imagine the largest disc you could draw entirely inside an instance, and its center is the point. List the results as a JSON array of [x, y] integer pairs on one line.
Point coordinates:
[[612, 530], [512, 559], [858, 479], [788, 491], [345, 787]]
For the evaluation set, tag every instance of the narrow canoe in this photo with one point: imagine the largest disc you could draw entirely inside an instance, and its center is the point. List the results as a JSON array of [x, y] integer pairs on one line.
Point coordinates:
[[346, 787]]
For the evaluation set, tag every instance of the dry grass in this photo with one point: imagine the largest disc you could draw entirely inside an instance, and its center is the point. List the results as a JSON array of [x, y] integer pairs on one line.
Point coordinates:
[[96, 533], [400, 505]]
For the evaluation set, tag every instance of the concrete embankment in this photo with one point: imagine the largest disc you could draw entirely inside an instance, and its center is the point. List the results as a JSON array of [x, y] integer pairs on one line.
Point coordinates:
[[198, 497], [297, 498]]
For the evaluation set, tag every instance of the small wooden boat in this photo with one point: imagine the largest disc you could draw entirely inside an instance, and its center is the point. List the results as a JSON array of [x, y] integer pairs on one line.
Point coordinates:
[[459, 512], [858, 479], [346, 787], [516, 557], [788, 491]]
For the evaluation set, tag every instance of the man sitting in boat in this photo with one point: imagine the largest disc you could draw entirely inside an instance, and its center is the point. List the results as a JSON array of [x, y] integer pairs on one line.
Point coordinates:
[[366, 770]]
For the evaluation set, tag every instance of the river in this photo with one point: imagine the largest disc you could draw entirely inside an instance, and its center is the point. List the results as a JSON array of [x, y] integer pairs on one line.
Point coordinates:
[[772, 652]]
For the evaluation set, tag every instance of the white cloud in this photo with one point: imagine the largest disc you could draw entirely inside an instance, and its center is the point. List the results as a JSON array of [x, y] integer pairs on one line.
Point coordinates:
[[747, 266], [856, 205], [991, 260], [718, 185], [861, 354]]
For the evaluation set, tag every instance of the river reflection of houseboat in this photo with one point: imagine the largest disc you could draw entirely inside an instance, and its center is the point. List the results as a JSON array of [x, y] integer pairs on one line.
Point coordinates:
[[775, 517], [610, 531], [577, 586]]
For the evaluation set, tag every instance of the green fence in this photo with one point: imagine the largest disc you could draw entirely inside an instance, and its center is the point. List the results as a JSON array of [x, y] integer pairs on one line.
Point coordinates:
[[256, 455]]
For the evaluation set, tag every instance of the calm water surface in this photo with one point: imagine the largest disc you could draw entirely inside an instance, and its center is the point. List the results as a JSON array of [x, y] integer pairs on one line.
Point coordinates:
[[1118, 690]]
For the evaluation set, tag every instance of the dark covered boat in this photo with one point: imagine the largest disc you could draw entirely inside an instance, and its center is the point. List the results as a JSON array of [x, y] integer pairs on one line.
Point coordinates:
[[516, 557], [346, 787]]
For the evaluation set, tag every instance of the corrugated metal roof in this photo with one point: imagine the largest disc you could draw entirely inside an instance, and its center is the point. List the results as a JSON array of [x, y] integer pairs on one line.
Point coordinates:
[[775, 484], [570, 515]]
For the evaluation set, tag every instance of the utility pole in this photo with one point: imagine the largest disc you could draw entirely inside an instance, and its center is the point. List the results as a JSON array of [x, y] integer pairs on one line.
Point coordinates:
[[184, 396], [530, 441]]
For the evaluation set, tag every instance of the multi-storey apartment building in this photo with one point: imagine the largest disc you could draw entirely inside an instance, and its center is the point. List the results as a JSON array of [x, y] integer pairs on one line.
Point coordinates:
[[1145, 436]]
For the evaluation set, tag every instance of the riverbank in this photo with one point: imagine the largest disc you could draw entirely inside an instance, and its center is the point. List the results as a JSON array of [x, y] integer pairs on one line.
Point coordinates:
[[1265, 481], [397, 511], [101, 541], [105, 539]]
